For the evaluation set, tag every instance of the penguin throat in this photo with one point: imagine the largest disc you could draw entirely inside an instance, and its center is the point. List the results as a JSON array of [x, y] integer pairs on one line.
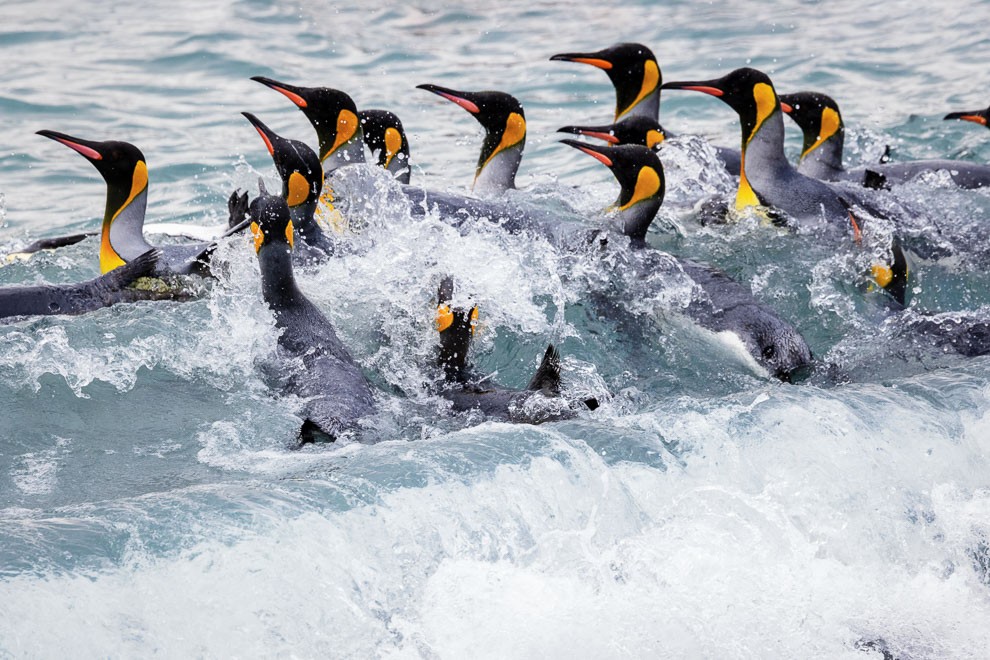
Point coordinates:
[[499, 162], [648, 95], [829, 133], [393, 144], [745, 195], [344, 145], [766, 106], [122, 237]]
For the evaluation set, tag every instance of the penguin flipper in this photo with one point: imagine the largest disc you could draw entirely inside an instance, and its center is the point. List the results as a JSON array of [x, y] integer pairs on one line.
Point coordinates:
[[50, 244], [547, 376], [143, 266], [237, 207]]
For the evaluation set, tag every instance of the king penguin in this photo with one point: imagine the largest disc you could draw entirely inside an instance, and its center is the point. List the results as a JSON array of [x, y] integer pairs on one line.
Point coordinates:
[[823, 130], [125, 171], [504, 122], [337, 393], [334, 116], [766, 178], [635, 74], [466, 391], [724, 306], [302, 182]]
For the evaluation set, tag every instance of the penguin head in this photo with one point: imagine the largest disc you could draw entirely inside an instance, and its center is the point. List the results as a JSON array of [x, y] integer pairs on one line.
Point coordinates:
[[456, 326], [504, 122], [640, 175], [749, 92], [121, 163], [780, 348], [331, 112], [297, 165], [892, 275], [981, 117], [384, 135], [636, 129], [632, 68], [816, 114], [271, 223]]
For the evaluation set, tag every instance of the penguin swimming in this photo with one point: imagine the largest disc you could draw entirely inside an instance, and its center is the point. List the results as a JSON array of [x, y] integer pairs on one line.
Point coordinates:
[[504, 122], [766, 178], [635, 74], [724, 305], [385, 137], [821, 124], [468, 392], [302, 181], [981, 117], [337, 393], [334, 116], [122, 239], [108, 289]]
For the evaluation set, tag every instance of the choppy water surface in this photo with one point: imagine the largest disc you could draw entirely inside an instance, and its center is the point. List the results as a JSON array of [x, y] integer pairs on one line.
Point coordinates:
[[149, 498]]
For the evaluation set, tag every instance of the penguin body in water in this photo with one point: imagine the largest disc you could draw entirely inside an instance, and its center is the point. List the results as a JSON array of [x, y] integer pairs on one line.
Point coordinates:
[[767, 181], [539, 402], [721, 305], [108, 289], [823, 131], [337, 394]]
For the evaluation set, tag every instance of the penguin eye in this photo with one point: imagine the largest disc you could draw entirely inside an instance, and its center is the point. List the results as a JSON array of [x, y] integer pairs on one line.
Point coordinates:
[[769, 352]]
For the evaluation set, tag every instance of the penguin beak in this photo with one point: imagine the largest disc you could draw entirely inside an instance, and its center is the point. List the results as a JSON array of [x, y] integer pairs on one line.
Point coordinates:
[[266, 133], [87, 148], [460, 98], [598, 132], [977, 117], [786, 107], [594, 59], [704, 86], [291, 92], [598, 153]]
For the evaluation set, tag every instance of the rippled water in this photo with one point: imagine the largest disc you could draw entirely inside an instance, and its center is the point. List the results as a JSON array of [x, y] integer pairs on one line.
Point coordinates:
[[149, 499]]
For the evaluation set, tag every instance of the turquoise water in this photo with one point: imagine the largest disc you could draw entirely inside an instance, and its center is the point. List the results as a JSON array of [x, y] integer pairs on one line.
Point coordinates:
[[149, 499]]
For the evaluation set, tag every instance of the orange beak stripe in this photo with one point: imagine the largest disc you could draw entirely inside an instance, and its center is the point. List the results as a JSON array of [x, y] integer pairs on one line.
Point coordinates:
[[704, 89], [601, 64], [268, 143], [602, 158], [464, 103], [92, 154], [292, 96], [608, 137]]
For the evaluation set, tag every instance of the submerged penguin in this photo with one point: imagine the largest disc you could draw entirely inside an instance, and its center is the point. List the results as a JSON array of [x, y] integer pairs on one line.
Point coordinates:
[[635, 74], [108, 289], [125, 171], [337, 393], [468, 392], [724, 304], [821, 125]]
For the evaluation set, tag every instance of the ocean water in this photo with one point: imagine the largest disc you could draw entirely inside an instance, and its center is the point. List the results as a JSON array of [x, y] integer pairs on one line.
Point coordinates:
[[151, 502]]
